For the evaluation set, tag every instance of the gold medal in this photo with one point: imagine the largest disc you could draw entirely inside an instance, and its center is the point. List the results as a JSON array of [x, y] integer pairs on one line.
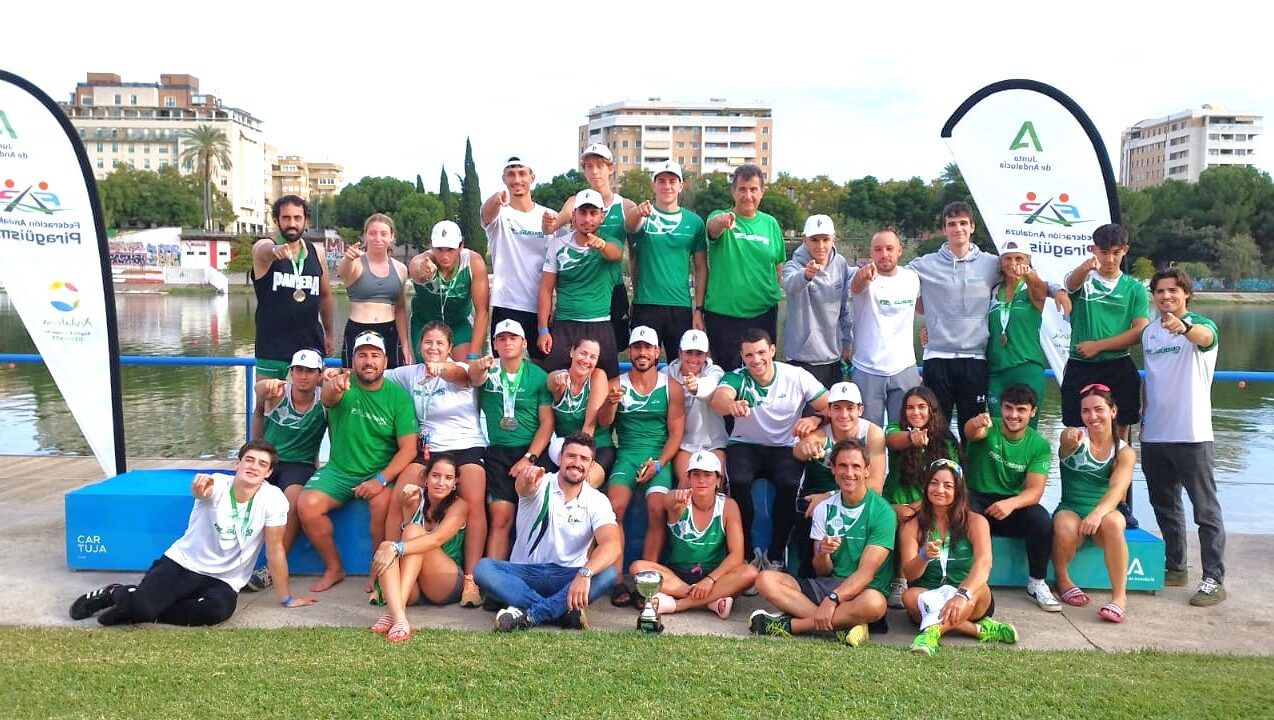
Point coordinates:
[[298, 295], [1004, 340], [509, 423]]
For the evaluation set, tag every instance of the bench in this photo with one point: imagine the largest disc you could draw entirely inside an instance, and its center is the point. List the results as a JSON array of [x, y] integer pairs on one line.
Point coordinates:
[[1087, 570]]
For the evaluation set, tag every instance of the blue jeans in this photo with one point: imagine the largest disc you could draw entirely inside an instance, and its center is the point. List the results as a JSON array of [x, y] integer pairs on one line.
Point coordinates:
[[540, 589]]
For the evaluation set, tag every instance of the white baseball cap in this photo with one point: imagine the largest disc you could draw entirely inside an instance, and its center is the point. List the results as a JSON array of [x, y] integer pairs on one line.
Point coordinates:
[[307, 358], [645, 334], [588, 196], [705, 460], [818, 225], [599, 150], [1013, 246], [516, 161], [510, 325], [666, 166], [446, 234], [369, 338], [695, 340], [844, 392]]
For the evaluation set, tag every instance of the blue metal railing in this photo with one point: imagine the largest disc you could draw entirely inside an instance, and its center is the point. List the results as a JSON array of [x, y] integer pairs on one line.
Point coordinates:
[[249, 371]]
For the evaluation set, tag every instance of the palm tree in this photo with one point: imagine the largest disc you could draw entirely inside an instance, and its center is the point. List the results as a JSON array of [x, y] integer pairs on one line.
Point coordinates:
[[205, 145]]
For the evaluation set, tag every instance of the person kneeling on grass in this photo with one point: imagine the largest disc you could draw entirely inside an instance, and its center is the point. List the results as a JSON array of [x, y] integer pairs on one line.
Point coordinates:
[[553, 576], [427, 561], [705, 552], [197, 579], [945, 554], [853, 534]]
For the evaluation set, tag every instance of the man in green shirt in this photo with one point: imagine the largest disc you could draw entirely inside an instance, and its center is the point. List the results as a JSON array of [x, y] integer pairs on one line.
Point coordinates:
[[1109, 309], [373, 431], [1007, 466], [853, 534], [745, 259], [667, 242]]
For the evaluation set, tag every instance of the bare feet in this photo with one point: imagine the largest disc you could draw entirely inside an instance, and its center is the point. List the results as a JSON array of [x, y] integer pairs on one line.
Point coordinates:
[[330, 578], [367, 586]]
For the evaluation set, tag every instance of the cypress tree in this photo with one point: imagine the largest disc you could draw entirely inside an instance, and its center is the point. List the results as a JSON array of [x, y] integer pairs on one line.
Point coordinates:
[[444, 194], [470, 220]]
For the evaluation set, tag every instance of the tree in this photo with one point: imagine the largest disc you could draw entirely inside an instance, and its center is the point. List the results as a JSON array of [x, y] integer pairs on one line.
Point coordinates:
[[783, 209], [449, 205], [205, 145], [1143, 268], [1196, 270], [142, 199], [555, 192], [708, 193], [370, 195], [470, 219], [635, 185], [414, 219], [1238, 258], [420, 184], [912, 202]]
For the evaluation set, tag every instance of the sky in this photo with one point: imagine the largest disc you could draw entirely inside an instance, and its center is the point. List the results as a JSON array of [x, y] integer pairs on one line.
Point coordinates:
[[855, 90]]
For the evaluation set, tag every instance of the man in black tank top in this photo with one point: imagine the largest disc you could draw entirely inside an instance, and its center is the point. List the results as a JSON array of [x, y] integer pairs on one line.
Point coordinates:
[[295, 307]]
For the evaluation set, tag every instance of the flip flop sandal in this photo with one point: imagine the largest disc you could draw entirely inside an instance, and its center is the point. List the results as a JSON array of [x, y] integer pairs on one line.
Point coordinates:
[[621, 595], [1075, 597], [383, 624], [399, 632], [1110, 612]]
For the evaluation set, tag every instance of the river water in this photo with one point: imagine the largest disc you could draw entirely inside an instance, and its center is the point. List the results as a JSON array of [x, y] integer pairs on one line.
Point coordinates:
[[198, 412]]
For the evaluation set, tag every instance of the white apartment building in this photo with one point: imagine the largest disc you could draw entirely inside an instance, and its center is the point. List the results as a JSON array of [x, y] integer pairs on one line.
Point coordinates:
[[704, 137], [140, 125], [1183, 145]]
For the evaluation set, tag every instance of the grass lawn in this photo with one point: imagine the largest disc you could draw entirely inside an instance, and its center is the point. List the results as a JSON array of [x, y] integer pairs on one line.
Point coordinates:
[[347, 673]]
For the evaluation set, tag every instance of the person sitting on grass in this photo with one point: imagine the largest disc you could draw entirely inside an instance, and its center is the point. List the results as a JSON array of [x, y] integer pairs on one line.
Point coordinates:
[[567, 542], [197, 579], [853, 534], [705, 544], [1096, 469], [427, 561], [945, 553]]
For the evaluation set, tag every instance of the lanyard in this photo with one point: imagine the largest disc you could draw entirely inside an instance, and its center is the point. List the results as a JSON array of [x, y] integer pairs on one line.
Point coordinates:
[[444, 288], [424, 395], [298, 262], [242, 530], [943, 553], [1006, 308], [509, 388], [571, 404]]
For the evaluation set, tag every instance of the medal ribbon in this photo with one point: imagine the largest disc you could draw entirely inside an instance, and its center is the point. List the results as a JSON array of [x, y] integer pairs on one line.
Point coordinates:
[[509, 388], [242, 530]]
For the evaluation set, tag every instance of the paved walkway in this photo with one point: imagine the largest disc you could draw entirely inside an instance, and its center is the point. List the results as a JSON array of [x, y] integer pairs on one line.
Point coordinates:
[[36, 588]]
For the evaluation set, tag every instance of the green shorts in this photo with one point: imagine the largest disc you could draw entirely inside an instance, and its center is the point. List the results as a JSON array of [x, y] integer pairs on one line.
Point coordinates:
[[273, 369], [629, 460], [460, 333], [335, 484]]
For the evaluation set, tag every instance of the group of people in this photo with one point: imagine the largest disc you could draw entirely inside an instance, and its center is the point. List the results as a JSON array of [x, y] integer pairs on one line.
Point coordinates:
[[503, 479]]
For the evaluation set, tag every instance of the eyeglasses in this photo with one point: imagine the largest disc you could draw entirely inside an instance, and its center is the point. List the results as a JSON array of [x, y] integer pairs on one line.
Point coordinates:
[[947, 464], [1094, 386]]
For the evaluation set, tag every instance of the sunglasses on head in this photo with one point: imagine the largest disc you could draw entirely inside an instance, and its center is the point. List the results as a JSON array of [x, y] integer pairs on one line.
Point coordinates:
[[947, 464], [1094, 386]]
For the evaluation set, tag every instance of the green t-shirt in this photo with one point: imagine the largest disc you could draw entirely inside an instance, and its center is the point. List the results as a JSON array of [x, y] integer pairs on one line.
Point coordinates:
[[584, 279], [688, 546], [870, 522], [895, 491], [568, 416], [366, 425], [818, 472], [641, 421], [612, 230], [296, 437], [1018, 322], [997, 466], [663, 248], [1100, 310], [951, 571], [531, 394], [743, 280]]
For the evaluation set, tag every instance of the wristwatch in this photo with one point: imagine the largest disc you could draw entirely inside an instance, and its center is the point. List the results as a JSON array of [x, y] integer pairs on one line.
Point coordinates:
[[584, 572], [964, 594], [531, 457], [1188, 326], [833, 597]]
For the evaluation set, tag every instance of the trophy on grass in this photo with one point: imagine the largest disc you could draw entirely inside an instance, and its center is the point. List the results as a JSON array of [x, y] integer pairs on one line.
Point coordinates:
[[648, 583]]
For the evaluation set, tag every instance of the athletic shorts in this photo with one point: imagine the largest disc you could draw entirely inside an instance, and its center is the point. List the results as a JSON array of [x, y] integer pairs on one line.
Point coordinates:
[[629, 461], [452, 598], [603, 456], [566, 332], [287, 474], [388, 332], [990, 608], [689, 575], [272, 369], [818, 588], [498, 462], [335, 484], [669, 322], [467, 456], [1118, 374]]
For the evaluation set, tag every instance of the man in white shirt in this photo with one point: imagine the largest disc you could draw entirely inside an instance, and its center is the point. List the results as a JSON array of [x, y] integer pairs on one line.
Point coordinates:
[[514, 224], [553, 576], [197, 580], [884, 298]]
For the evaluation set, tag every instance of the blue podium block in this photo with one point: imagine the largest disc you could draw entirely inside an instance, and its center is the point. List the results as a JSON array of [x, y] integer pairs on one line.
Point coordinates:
[[127, 521], [1087, 569]]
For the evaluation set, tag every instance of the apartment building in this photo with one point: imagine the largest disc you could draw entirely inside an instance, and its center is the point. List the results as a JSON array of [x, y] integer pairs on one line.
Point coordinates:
[[1183, 145]]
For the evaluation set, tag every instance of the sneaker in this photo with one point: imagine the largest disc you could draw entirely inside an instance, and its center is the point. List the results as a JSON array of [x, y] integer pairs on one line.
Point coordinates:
[[994, 631], [764, 622], [470, 595], [510, 619], [1175, 578], [897, 587], [758, 562], [490, 604], [1039, 591], [926, 643], [1210, 593], [853, 637], [722, 607], [260, 580], [879, 627], [574, 620], [779, 565], [91, 603]]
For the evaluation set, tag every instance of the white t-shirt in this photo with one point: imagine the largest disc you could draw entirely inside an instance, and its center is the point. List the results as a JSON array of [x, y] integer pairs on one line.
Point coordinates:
[[223, 538], [517, 244], [884, 322], [450, 411], [1178, 384], [775, 407], [553, 531], [704, 429]]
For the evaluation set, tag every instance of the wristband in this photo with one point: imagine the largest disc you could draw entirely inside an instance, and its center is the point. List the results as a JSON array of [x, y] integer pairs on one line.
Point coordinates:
[[381, 479], [399, 548], [542, 331], [471, 356], [286, 601], [922, 554], [657, 466]]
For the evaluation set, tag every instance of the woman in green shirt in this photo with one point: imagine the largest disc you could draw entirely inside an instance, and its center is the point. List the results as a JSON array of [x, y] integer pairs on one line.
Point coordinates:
[[428, 559], [578, 393], [945, 553], [1013, 352]]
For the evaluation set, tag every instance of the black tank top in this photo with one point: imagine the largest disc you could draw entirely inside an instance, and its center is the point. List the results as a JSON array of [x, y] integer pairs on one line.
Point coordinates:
[[283, 324]]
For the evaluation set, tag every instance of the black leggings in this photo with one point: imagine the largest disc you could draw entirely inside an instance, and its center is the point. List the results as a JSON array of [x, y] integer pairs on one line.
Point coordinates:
[[745, 463], [169, 593]]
